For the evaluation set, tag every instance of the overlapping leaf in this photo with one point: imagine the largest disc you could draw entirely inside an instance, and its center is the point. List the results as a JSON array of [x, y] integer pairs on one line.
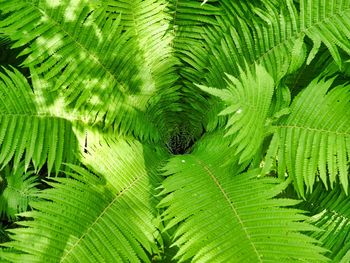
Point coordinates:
[[330, 212], [248, 102], [30, 131], [89, 57], [315, 138], [17, 191], [277, 36], [105, 218], [222, 217]]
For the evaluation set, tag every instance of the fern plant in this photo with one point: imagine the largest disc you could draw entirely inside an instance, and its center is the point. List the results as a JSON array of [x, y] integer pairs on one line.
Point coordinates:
[[174, 131]]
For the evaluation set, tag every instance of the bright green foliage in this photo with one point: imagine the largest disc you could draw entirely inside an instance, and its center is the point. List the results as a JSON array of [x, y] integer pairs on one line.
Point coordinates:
[[249, 100], [323, 22], [214, 209], [316, 136], [253, 97], [332, 215], [82, 52], [17, 191], [110, 215], [146, 23], [273, 35], [28, 127]]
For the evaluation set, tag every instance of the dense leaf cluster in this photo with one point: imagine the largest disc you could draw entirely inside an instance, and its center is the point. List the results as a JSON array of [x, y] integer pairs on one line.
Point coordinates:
[[174, 131]]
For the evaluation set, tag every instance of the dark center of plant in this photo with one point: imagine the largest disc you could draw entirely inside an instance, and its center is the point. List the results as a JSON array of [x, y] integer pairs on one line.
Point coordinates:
[[9, 57], [180, 142]]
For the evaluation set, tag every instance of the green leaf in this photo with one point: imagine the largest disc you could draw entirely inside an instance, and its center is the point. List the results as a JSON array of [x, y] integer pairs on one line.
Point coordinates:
[[105, 217], [249, 99], [272, 34], [30, 131], [223, 217], [315, 137], [18, 191], [330, 212], [96, 70]]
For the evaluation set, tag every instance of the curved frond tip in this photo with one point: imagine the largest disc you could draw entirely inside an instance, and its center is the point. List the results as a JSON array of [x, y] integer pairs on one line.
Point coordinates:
[[248, 99]]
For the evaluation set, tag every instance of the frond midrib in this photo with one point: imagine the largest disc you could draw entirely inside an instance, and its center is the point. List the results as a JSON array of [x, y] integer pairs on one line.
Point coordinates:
[[66, 117], [230, 203], [174, 21], [112, 202], [314, 129]]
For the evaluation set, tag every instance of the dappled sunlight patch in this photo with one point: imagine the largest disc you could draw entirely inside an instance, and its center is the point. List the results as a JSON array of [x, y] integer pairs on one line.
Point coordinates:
[[53, 3], [93, 65], [49, 102], [91, 25], [128, 72], [95, 100], [82, 55], [58, 109], [149, 84], [43, 19], [72, 8], [50, 45], [103, 84], [39, 85], [137, 101]]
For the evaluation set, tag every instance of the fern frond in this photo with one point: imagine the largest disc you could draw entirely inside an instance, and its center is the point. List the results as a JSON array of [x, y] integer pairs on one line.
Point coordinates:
[[248, 102], [330, 212], [265, 38], [220, 217], [275, 37], [104, 218], [315, 138], [148, 25], [29, 130], [326, 22], [100, 74], [188, 20], [18, 188]]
